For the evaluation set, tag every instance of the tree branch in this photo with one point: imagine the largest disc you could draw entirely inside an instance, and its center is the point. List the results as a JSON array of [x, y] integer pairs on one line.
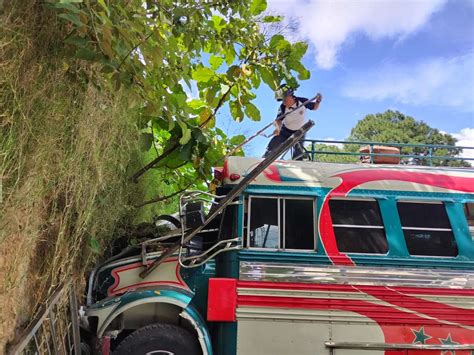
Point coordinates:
[[155, 161], [163, 198], [172, 148], [134, 48]]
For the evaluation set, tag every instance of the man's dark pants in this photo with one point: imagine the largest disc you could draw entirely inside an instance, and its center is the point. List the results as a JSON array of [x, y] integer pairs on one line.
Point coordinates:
[[285, 133]]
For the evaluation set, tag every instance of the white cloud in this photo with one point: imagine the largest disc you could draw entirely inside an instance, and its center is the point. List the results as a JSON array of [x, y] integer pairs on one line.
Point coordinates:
[[437, 81], [328, 24], [465, 138]]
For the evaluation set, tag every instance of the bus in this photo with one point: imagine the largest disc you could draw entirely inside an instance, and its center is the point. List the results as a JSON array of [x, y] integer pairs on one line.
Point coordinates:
[[310, 258]]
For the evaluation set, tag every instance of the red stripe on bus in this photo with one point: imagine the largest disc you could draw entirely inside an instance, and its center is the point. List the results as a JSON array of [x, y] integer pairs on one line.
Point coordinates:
[[352, 179], [433, 309]]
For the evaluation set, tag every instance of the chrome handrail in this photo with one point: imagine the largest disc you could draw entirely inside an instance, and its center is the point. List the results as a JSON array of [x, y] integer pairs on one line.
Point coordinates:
[[196, 257]]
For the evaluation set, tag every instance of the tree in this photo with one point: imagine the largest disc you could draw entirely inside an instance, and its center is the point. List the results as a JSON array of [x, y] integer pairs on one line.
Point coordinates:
[[155, 49], [335, 154], [395, 127]]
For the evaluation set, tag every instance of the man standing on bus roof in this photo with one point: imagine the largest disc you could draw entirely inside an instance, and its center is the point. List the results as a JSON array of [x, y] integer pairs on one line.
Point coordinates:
[[293, 121]]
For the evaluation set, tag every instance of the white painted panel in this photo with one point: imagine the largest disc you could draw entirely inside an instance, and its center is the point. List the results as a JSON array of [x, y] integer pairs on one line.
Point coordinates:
[[259, 337], [278, 336]]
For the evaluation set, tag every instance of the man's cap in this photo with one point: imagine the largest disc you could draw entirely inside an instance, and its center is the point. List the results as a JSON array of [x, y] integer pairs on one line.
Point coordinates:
[[283, 91]]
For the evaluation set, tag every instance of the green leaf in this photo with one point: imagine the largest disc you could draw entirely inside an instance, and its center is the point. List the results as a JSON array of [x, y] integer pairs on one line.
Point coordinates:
[[218, 23], [303, 73], [204, 117], [236, 111], [275, 40], [258, 6], [67, 6], [211, 95], [230, 55], [236, 140], [186, 151], [106, 42], [255, 79], [267, 77], [235, 91], [186, 136], [252, 111], [215, 62], [271, 19], [233, 72], [146, 141], [203, 74], [298, 50], [86, 54], [77, 41], [72, 18], [195, 104], [94, 245]]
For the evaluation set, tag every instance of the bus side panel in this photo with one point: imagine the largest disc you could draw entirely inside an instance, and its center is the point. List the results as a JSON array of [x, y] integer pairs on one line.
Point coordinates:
[[284, 308], [260, 335]]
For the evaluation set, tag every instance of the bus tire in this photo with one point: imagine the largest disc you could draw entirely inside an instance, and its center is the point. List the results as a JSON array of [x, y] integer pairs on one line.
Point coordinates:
[[159, 339]]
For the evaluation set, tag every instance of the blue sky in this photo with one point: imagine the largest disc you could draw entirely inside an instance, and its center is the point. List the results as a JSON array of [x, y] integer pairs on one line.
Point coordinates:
[[366, 56]]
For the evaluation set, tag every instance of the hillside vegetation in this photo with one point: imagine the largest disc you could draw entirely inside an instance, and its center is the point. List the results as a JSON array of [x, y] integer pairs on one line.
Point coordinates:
[[91, 92], [66, 149]]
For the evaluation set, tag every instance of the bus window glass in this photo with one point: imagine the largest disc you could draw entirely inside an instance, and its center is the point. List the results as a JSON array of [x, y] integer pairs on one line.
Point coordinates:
[[358, 226], [469, 211], [264, 226], [299, 224], [427, 229]]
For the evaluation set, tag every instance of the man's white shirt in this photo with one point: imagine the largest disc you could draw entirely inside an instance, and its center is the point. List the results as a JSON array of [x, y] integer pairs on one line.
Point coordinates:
[[296, 118]]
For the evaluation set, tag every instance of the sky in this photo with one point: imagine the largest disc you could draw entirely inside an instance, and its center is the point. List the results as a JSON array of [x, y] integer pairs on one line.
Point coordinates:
[[366, 56]]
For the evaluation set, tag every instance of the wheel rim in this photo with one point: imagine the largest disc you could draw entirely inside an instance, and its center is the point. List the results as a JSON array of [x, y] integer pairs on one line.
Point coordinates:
[[159, 352]]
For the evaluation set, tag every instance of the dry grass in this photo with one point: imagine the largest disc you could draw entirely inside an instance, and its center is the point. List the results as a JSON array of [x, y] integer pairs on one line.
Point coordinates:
[[65, 148]]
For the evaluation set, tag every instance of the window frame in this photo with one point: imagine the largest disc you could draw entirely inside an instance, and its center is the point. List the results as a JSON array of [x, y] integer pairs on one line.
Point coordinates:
[[281, 222], [467, 210], [426, 202], [361, 226]]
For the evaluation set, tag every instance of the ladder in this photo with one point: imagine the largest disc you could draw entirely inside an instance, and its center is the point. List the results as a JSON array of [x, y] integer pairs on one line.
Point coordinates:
[[236, 191]]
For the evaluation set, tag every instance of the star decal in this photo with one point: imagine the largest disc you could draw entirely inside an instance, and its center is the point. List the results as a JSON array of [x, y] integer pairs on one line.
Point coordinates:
[[420, 336], [448, 341]]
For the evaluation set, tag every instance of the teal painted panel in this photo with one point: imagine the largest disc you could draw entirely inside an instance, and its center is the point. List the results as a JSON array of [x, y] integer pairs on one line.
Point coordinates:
[[461, 230], [225, 338], [393, 228]]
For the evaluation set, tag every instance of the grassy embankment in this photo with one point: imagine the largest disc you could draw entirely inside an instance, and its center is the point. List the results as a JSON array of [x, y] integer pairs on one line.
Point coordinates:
[[66, 152]]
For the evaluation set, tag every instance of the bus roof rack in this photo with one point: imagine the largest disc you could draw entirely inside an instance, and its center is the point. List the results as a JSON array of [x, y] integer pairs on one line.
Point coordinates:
[[387, 153]]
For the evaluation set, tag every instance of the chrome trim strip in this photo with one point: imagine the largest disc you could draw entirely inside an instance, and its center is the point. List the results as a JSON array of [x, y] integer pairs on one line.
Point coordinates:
[[427, 229], [360, 275], [292, 315], [395, 346], [357, 226]]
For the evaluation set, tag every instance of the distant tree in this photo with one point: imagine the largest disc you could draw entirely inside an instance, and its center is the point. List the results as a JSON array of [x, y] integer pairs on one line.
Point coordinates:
[[395, 127], [335, 154]]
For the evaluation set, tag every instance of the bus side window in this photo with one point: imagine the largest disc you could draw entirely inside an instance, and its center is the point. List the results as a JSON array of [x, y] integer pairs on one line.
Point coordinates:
[[299, 223], [427, 229], [469, 212], [264, 222], [281, 223], [358, 226]]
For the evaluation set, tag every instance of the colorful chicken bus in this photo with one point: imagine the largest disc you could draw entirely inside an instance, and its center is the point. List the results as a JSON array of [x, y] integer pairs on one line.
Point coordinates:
[[312, 258]]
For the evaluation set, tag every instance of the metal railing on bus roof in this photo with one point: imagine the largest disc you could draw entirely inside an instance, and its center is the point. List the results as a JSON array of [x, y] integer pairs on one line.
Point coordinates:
[[426, 153]]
